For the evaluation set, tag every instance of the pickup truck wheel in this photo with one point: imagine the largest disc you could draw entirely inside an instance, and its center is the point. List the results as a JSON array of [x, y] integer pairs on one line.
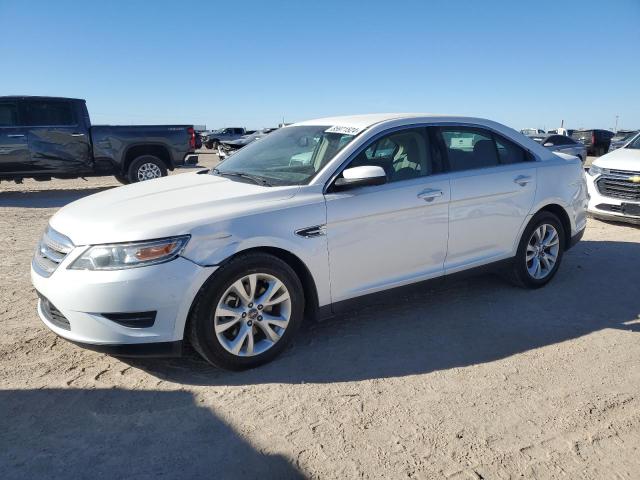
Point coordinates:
[[539, 252], [146, 167], [122, 179], [247, 313]]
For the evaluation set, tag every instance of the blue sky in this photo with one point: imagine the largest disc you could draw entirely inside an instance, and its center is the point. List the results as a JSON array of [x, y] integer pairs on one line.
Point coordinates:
[[525, 64]]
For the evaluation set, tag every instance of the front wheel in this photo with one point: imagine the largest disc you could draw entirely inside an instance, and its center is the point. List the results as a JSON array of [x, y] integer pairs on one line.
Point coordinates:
[[146, 167], [247, 312], [539, 252]]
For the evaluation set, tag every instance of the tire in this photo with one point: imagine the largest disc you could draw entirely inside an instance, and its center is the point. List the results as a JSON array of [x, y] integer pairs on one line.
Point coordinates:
[[123, 179], [219, 295], [146, 167], [521, 269]]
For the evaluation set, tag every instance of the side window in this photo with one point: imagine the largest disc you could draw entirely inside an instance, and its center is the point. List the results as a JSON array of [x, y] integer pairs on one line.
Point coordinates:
[[468, 148], [8, 114], [49, 113], [509, 152], [403, 155]]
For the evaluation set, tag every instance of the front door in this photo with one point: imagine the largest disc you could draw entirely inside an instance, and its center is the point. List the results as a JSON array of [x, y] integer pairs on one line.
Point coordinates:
[[392, 234], [14, 147]]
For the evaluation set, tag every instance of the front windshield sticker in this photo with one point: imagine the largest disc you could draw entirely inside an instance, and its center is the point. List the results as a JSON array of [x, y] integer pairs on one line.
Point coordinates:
[[344, 130]]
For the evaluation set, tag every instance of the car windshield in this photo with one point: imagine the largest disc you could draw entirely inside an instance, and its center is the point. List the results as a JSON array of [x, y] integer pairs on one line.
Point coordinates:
[[636, 143], [288, 156], [626, 136]]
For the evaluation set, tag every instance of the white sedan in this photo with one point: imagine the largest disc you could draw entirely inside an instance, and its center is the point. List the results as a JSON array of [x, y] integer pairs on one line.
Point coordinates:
[[614, 184], [316, 217]]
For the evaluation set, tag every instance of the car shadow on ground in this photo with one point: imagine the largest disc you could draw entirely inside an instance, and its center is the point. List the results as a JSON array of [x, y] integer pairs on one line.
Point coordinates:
[[469, 322], [123, 434], [46, 198]]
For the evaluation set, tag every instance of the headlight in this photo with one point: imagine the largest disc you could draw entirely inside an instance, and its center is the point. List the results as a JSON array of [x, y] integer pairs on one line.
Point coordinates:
[[130, 255], [594, 171]]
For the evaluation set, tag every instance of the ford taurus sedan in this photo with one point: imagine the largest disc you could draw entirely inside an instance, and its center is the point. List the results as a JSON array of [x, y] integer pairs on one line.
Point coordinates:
[[314, 218]]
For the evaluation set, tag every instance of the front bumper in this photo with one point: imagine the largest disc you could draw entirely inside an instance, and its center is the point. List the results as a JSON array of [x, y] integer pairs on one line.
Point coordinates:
[[81, 298], [608, 208]]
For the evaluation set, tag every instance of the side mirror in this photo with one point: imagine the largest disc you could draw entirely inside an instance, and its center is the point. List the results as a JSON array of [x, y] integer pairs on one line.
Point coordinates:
[[548, 144], [360, 177]]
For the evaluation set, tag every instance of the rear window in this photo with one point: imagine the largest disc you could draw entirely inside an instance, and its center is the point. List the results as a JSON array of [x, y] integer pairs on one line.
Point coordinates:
[[582, 135], [49, 113]]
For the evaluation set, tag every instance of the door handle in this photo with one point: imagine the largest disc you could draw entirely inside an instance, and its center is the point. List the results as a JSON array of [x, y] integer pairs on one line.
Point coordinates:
[[77, 134], [16, 135], [522, 180], [430, 194]]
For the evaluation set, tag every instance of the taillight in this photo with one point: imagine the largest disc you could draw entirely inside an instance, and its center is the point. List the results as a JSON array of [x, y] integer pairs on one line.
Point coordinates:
[[593, 138], [192, 137]]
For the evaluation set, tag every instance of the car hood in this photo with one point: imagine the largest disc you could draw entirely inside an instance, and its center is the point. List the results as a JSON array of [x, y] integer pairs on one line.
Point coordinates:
[[620, 159], [164, 207]]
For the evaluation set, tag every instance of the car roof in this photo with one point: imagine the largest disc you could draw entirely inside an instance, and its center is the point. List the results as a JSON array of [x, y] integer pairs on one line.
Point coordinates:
[[36, 97], [362, 122]]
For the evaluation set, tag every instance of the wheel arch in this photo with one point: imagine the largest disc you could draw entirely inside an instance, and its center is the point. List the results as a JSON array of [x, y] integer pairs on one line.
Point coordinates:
[[311, 306], [562, 214], [135, 151]]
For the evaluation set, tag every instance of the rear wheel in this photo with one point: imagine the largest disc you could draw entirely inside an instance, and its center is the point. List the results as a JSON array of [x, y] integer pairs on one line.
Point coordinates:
[[247, 313], [539, 252], [122, 179], [146, 167]]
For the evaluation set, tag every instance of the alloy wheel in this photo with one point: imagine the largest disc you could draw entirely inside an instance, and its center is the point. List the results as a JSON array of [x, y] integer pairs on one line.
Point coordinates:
[[542, 251], [252, 314], [148, 171]]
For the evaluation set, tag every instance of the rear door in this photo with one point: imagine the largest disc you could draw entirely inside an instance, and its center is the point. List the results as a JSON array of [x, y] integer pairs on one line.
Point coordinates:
[[58, 138], [493, 184], [14, 148]]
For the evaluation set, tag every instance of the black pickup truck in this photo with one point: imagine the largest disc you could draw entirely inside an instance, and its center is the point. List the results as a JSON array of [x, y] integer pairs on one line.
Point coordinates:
[[46, 137]]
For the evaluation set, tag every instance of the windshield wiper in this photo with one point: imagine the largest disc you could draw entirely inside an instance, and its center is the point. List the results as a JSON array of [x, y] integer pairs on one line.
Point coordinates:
[[254, 178]]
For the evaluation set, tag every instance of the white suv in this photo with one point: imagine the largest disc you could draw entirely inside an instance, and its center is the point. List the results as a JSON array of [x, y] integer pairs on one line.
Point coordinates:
[[614, 184], [305, 221]]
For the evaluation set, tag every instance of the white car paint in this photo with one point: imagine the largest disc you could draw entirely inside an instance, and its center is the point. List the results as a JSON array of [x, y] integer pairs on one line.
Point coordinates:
[[621, 165], [374, 238]]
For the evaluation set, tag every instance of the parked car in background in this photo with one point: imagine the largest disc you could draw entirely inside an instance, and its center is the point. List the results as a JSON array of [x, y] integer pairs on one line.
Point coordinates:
[[224, 134], [233, 259], [46, 137], [621, 138], [226, 148], [532, 131], [562, 131], [596, 140], [614, 184], [563, 144]]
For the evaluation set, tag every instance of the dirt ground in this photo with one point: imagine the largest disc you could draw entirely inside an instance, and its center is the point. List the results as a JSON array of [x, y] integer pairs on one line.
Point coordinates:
[[476, 379]]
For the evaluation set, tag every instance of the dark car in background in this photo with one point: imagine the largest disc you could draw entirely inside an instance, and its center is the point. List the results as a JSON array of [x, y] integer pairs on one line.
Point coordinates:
[[224, 135], [52, 137], [562, 144], [230, 147], [596, 140]]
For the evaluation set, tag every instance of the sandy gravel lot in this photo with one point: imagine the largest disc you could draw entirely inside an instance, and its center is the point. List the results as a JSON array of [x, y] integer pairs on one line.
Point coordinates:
[[473, 380]]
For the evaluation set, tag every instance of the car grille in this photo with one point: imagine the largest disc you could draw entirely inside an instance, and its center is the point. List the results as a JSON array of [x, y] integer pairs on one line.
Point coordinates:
[[618, 184], [50, 252], [52, 314]]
